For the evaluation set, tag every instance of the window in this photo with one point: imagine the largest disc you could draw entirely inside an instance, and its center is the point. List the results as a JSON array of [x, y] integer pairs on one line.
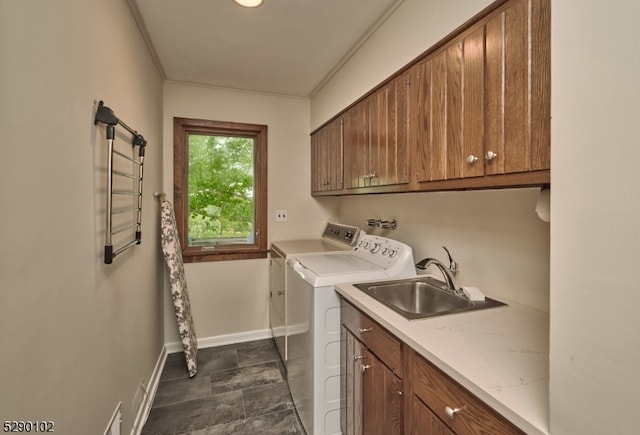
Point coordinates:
[[220, 189]]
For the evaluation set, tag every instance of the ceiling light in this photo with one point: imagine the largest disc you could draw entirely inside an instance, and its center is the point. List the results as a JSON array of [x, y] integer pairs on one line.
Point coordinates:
[[249, 3]]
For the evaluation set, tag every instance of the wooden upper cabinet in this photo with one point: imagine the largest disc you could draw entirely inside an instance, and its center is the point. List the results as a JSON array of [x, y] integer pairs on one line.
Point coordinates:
[[376, 137], [447, 109], [471, 108], [474, 111], [481, 102], [356, 145], [327, 158], [389, 120], [517, 90]]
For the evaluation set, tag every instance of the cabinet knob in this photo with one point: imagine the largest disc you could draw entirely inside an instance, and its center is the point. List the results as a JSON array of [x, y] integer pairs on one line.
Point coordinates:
[[472, 159], [364, 367], [452, 412], [490, 155], [363, 330], [357, 357]]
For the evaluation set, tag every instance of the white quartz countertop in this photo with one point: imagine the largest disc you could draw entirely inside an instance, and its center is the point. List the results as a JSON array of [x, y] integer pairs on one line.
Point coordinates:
[[499, 354]]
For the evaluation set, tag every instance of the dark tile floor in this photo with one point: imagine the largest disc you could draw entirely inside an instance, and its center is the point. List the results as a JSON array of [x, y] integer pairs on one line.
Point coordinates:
[[239, 389]]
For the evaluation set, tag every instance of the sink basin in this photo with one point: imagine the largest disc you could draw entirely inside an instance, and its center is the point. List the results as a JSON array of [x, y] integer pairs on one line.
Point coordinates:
[[422, 297]]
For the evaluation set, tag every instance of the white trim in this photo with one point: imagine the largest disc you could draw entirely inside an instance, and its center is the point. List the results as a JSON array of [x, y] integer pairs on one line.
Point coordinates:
[[150, 394], [220, 340], [113, 428]]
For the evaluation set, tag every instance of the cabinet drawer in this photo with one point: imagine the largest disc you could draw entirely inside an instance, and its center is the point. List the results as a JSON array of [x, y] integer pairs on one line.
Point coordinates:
[[384, 345], [438, 391]]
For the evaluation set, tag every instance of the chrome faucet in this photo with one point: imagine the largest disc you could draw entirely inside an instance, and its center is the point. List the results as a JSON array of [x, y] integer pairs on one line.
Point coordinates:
[[447, 273]]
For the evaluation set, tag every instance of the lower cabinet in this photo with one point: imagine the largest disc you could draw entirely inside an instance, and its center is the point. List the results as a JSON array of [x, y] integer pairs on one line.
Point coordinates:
[[435, 393], [388, 388], [373, 394]]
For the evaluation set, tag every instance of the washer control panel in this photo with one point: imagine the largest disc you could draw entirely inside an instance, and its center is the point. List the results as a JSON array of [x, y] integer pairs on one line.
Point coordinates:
[[341, 233], [381, 250]]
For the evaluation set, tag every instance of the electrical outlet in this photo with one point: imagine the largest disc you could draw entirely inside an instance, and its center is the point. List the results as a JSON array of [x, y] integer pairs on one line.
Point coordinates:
[[281, 215]]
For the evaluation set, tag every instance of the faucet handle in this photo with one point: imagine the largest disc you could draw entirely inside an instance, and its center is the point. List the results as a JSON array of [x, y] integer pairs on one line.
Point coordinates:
[[422, 264], [453, 266]]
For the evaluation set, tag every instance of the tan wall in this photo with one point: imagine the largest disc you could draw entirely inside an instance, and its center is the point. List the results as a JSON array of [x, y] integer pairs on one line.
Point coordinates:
[[77, 336], [500, 244], [595, 235], [231, 297], [412, 28]]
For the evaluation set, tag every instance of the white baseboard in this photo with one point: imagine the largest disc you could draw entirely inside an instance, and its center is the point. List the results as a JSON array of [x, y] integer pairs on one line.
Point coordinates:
[[152, 387], [221, 340], [176, 346]]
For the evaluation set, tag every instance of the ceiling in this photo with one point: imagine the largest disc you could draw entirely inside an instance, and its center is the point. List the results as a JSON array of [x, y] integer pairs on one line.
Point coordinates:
[[289, 47]]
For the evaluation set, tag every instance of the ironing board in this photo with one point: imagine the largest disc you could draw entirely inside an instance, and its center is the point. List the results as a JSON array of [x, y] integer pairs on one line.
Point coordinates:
[[179, 292]]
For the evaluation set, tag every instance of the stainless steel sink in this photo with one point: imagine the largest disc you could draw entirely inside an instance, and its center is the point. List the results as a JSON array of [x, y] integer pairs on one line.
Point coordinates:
[[422, 297]]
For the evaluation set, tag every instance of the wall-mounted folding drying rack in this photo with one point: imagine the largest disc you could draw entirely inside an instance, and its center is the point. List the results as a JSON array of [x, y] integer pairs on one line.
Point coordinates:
[[124, 182]]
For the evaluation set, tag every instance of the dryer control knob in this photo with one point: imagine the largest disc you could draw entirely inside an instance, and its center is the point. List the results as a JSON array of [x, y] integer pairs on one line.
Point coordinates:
[[375, 248]]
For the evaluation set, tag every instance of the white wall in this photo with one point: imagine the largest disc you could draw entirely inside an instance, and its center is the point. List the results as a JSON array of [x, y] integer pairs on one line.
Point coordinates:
[[231, 297], [595, 235], [77, 336]]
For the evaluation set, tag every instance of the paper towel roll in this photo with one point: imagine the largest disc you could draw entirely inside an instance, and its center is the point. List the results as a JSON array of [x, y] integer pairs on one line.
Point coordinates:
[[543, 207]]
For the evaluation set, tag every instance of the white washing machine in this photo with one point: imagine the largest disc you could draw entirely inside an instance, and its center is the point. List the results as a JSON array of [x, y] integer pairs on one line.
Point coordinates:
[[335, 237], [313, 329]]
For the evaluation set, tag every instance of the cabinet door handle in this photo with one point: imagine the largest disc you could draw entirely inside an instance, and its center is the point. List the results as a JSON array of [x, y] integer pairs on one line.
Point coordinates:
[[363, 330], [280, 292], [364, 367], [490, 155], [357, 357], [472, 159], [452, 412]]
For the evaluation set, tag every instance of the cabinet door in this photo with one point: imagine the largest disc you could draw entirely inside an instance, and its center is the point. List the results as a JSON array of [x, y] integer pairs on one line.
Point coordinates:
[[317, 156], [425, 421], [436, 147], [372, 395], [517, 91], [447, 109], [327, 158], [420, 120], [382, 398], [351, 384], [356, 145], [472, 107], [388, 151]]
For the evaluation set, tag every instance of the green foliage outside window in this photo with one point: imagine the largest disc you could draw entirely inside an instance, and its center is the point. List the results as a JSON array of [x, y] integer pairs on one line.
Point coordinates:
[[221, 189]]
